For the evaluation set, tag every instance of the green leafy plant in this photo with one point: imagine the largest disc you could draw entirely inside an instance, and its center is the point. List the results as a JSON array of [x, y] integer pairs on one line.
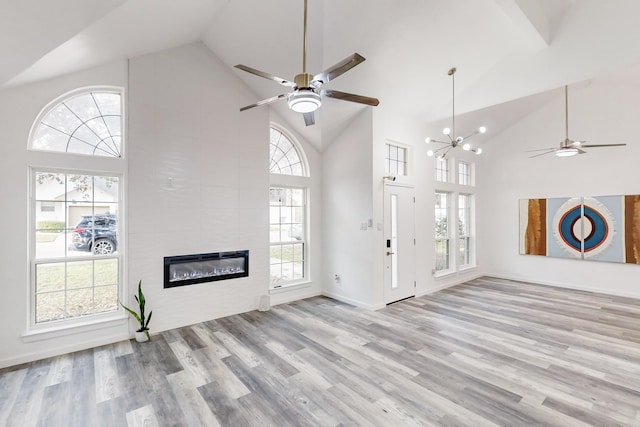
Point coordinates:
[[144, 321]]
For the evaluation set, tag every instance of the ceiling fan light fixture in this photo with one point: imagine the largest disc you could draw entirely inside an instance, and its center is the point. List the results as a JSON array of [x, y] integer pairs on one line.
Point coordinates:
[[466, 146], [430, 153], [446, 131], [304, 101], [478, 151], [566, 152], [427, 140]]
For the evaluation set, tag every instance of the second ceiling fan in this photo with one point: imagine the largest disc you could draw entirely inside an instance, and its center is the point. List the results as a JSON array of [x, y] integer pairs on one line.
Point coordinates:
[[307, 92], [570, 147]]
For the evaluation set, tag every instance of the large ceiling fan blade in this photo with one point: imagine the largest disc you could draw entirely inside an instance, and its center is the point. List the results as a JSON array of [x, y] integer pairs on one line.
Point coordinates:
[[337, 70], [309, 119], [265, 101], [351, 97], [542, 154], [283, 82], [601, 145], [540, 149]]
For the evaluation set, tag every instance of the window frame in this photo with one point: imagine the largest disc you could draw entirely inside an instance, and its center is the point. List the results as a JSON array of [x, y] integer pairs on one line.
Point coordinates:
[[465, 173], [303, 241], [389, 145], [76, 163], [455, 190], [442, 175], [64, 323], [467, 237], [296, 146], [446, 239], [301, 182], [68, 96]]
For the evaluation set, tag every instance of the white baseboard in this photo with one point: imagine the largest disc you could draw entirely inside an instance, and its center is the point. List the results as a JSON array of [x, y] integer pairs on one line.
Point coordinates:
[[564, 285], [356, 303], [448, 285], [52, 352]]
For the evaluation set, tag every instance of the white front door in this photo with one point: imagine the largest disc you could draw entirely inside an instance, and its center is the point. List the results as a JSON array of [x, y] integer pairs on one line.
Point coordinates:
[[399, 243]]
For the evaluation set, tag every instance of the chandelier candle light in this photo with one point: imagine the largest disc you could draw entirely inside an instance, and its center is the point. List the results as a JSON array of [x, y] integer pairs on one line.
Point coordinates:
[[454, 140]]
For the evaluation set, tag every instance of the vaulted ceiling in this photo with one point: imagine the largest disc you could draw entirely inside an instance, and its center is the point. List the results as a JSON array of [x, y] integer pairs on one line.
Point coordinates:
[[504, 50]]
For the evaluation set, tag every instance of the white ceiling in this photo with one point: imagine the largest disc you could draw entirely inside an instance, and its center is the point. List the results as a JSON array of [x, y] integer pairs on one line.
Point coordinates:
[[504, 50]]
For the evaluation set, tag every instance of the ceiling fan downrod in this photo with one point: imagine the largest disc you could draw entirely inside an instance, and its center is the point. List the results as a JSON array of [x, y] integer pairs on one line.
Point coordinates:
[[303, 80]]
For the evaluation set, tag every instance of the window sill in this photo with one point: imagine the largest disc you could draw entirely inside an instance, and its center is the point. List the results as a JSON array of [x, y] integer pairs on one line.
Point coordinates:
[[449, 273], [45, 333], [467, 268], [443, 273], [289, 287]]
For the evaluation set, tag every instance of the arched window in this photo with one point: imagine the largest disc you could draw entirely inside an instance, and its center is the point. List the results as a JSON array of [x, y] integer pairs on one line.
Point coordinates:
[[76, 244], [285, 156], [87, 123], [288, 224]]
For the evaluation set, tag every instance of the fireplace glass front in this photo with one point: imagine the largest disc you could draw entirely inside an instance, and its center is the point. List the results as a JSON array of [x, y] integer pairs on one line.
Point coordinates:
[[190, 269]]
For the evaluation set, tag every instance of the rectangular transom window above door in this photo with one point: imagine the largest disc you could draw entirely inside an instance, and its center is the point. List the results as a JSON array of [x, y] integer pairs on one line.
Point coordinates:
[[395, 162]]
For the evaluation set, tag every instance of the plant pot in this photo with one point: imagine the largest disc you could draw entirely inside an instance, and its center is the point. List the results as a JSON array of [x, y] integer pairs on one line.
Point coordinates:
[[141, 336]]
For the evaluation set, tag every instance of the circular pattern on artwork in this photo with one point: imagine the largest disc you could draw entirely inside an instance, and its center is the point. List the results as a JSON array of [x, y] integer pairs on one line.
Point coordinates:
[[590, 227], [570, 228]]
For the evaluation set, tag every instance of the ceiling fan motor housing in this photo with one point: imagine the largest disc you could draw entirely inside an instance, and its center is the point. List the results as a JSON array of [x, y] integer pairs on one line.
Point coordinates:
[[303, 80]]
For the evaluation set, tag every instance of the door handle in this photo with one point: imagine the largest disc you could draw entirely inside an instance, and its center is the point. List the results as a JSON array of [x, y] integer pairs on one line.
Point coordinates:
[[390, 253]]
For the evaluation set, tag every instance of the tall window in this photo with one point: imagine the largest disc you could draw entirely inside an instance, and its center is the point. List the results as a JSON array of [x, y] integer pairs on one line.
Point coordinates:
[[76, 260], [287, 230], [464, 230], [288, 216], [454, 218], [395, 160], [442, 169], [75, 239], [442, 231]]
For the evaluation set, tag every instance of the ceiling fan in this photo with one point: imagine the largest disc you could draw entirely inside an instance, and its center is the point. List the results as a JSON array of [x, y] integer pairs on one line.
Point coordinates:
[[569, 147], [307, 93]]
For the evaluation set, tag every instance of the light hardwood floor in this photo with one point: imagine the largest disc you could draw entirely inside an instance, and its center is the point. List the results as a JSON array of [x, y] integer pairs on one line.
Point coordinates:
[[488, 352]]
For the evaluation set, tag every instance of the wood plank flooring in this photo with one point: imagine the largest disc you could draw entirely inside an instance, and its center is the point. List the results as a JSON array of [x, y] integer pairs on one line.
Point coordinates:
[[488, 352]]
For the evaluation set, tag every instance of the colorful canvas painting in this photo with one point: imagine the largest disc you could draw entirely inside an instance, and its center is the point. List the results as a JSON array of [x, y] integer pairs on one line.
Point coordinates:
[[564, 237], [601, 228], [533, 226], [632, 229]]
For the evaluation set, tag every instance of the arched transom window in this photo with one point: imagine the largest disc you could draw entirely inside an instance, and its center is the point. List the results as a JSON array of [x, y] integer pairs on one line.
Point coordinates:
[[284, 156], [88, 123]]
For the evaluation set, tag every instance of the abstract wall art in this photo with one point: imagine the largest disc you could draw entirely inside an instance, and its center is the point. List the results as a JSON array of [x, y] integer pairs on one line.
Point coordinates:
[[601, 228]]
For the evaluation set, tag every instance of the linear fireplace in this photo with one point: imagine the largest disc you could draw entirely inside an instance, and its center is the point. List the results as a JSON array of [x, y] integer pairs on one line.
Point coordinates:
[[199, 268]]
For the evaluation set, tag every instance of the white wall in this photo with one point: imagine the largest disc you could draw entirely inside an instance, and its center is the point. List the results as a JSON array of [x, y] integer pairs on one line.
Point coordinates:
[[601, 112], [347, 203], [198, 182]]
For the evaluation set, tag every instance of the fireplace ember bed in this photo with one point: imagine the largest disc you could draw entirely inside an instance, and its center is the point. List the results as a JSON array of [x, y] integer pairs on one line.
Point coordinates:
[[199, 268]]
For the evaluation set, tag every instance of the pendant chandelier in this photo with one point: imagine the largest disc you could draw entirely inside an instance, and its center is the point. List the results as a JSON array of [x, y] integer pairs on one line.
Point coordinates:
[[454, 141]]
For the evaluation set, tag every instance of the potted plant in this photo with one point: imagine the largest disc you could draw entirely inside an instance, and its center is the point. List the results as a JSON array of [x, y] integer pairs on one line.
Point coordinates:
[[142, 334]]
